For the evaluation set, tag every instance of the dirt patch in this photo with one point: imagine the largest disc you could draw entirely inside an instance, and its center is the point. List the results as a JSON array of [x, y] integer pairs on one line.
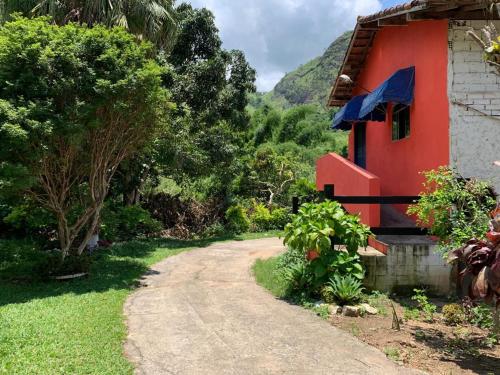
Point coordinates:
[[432, 347]]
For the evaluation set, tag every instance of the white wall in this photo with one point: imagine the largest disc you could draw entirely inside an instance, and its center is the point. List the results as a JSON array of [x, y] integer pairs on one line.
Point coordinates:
[[474, 93]]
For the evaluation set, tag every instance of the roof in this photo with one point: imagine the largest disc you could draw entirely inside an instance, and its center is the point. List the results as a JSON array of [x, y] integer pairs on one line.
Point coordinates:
[[400, 15]]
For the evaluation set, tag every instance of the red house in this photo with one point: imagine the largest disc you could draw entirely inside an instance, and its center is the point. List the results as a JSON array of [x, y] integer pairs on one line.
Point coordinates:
[[415, 94]]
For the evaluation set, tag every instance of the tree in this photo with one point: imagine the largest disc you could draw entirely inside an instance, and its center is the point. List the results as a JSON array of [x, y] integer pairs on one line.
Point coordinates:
[[150, 19], [76, 103], [272, 173]]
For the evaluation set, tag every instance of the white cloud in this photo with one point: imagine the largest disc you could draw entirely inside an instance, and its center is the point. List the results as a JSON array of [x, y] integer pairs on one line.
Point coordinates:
[[279, 35]]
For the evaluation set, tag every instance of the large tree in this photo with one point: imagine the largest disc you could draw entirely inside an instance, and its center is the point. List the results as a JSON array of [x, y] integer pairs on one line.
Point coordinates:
[[75, 103], [150, 19]]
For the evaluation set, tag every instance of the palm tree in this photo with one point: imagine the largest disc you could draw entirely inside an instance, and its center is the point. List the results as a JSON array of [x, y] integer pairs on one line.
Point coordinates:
[[149, 19]]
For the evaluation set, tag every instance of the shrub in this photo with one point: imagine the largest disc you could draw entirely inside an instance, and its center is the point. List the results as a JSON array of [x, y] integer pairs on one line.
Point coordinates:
[[316, 224], [280, 217], [453, 314], [345, 289], [237, 219], [124, 223], [454, 208], [261, 218], [312, 251]]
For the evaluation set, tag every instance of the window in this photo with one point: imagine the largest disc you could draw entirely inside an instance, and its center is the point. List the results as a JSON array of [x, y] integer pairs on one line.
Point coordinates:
[[400, 122]]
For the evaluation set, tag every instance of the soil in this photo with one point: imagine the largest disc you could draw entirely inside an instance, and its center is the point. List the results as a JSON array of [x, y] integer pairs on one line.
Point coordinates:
[[432, 347]]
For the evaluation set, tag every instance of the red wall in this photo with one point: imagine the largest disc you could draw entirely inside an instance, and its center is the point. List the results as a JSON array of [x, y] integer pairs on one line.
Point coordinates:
[[423, 44], [349, 179]]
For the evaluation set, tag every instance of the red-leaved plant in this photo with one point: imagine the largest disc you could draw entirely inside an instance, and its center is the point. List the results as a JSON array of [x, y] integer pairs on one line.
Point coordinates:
[[481, 276]]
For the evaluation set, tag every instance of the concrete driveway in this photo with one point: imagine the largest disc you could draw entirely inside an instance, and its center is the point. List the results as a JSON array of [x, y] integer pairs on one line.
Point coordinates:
[[202, 313]]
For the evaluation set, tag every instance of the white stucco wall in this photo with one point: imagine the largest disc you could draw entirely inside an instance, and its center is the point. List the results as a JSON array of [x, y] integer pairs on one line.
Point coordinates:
[[474, 93]]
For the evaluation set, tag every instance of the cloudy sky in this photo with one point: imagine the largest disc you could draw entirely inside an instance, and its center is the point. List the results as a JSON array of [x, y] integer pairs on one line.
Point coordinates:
[[279, 35]]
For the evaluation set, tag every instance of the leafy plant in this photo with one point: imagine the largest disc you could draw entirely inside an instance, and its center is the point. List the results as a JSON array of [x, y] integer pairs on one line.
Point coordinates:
[[237, 219], [261, 217], [124, 223], [345, 289], [318, 223], [411, 314], [455, 209], [426, 308]]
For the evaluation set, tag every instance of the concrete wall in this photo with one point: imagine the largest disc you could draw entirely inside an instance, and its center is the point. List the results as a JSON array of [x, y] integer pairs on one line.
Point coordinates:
[[407, 266], [474, 94]]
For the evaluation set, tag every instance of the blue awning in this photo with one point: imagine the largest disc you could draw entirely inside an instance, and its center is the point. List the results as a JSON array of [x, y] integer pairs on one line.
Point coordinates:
[[396, 89], [350, 113]]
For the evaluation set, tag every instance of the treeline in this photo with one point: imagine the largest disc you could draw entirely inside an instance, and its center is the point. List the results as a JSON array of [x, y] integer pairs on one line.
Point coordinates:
[[104, 133]]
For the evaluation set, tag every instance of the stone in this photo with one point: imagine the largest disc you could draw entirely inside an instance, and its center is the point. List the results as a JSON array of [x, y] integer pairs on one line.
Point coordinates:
[[352, 311], [370, 310], [334, 309]]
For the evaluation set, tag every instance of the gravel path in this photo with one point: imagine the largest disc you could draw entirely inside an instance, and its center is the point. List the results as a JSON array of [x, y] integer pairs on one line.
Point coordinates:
[[201, 312]]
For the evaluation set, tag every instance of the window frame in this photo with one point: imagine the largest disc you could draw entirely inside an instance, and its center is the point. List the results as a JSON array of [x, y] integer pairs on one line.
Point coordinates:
[[403, 130]]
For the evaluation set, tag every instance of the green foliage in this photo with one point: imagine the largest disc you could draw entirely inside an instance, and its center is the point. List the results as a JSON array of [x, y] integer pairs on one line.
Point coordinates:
[[30, 220], [316, 224], [345, 289], [237, 219], [312, 230], [426, 309], [454, 208], [480, 315], [154, 20], [19, 258], [267, 274], [120, 223], [263, 219], [453, 314], [67, 118]]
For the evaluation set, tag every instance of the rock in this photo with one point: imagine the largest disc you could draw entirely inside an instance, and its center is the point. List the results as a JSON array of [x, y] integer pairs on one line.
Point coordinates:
[[370, 310], [334, 309], [318, 303], [352, 311]]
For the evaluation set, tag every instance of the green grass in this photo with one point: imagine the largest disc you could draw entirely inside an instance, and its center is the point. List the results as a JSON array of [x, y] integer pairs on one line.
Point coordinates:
[[77, 327], [266, 274]]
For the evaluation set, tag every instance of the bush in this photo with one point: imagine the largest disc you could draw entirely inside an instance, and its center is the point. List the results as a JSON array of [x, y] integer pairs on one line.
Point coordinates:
[[453, 314], [18, 258], [237, 219], [426, 309], [124, 223], [263, 219], [455, 209], [312, 258], [345, 289]]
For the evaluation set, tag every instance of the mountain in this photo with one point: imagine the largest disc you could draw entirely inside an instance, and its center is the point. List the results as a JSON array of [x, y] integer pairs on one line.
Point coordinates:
[[312, 82]]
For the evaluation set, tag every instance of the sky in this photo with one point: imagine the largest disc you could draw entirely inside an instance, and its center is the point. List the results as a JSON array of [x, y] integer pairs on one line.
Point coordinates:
[[279, 35]]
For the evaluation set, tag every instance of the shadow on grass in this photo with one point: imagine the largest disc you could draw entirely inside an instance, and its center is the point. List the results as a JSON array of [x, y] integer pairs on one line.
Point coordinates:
[[119, 267], [463, 351]]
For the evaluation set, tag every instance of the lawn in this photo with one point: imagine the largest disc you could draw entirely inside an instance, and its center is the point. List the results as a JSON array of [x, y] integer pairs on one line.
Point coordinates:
[[77, 327], [266, 275]]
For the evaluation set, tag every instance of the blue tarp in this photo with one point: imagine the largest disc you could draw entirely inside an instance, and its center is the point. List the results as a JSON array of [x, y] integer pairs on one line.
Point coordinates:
[[350, 113], [396, 89]]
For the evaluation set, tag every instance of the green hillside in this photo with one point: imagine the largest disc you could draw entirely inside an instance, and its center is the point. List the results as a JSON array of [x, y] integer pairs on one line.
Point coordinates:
[[311, 82]]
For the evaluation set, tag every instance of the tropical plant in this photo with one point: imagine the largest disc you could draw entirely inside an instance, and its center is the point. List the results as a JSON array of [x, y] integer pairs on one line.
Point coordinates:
[[78, 102], [490, 43], [481, 277], [153, 20], [345, 289], [317, 224], [455, 209], [310, 238]]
